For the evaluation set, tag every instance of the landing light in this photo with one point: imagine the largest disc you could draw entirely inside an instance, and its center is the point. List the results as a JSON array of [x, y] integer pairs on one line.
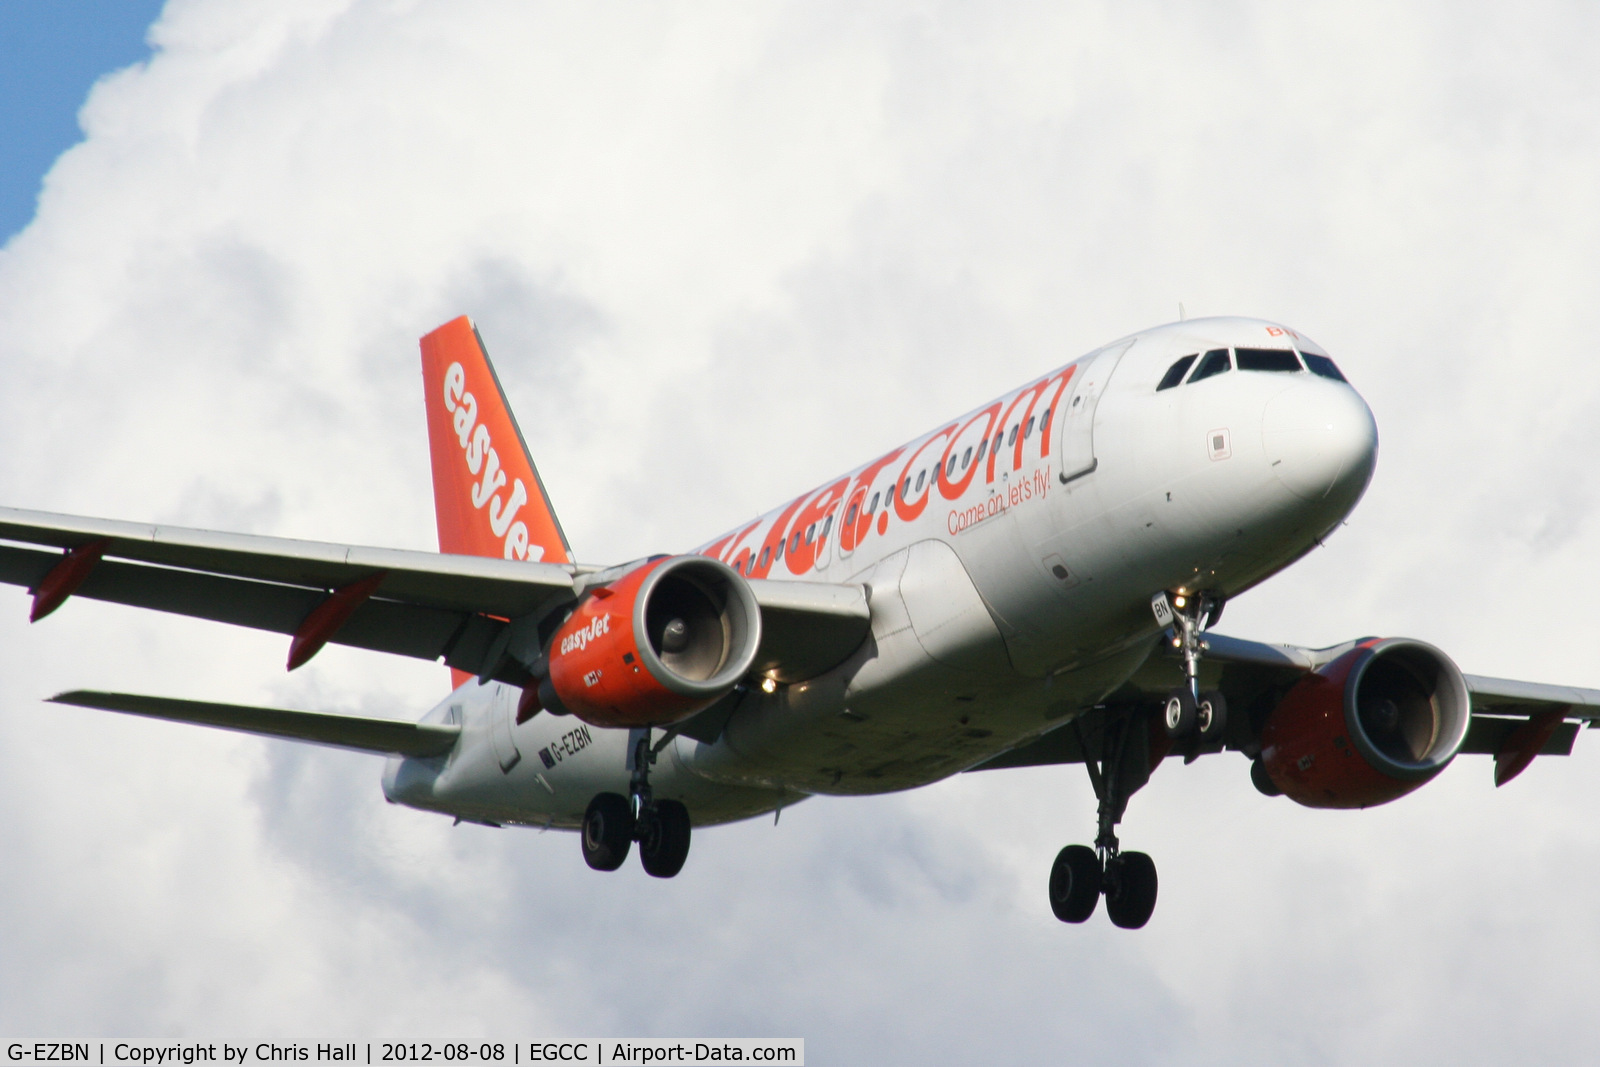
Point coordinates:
[[1179, 601], [769, 685]]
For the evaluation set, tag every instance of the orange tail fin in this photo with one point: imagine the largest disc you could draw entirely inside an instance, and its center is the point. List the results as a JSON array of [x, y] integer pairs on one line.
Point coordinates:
[[487, 495]]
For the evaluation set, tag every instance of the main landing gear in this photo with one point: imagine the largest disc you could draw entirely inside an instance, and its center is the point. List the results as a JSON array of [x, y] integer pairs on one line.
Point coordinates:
[[1131, 742], [613, 823], [1082, 875]]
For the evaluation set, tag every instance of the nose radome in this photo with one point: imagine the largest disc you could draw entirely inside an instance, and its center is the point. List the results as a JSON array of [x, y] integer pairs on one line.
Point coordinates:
[[1320, 440]]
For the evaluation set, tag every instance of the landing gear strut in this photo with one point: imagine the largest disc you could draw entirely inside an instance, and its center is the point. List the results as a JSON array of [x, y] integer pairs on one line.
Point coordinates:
[[613, 822], [1082, 875], [1189, 712]]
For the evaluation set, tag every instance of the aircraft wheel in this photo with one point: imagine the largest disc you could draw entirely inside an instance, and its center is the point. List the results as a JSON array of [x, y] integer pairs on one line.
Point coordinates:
[[664, 838], [1179, 714], [1130, 889], [1075, 883], [1262, 780], [1211, 715], [607, 831]]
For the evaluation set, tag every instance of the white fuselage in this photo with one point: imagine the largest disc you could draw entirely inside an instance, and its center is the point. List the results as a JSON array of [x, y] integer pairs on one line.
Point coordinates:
[[1009, 584]]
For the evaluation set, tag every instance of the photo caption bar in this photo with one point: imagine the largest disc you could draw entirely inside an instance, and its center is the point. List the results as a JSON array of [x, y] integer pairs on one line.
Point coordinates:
[[591, 1052]]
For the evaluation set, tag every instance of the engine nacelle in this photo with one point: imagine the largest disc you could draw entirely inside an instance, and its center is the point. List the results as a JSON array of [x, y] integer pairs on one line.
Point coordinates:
[[656, 645], [1369, 727]]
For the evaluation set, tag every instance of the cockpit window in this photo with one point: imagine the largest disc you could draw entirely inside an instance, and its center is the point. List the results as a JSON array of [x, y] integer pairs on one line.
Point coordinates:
[[1215, 362], [1322, 365], [1175, 373], [1267, 359]]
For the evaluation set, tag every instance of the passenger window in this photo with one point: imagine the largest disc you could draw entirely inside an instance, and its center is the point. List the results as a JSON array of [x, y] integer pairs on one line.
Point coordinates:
[[966, 460], [983, 446], [777, 553], [1013, 438], [1044, 421], [765, 554], [1215, 362], [850, 516], [1267, 359], [905, 488], [794, 543], [827, 524], [999, 439], [920, 476], [811, 533], [1323, 366], [950, 468], [1029, 431], [874, 505], [1176, 372]]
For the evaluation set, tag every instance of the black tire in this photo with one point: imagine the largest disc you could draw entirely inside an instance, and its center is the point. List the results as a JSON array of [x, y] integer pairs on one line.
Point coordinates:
[[1262, 780], [1131, 889], [1211, 720], [607, 831], [1075, 883], [1178, 713], [664, 838]]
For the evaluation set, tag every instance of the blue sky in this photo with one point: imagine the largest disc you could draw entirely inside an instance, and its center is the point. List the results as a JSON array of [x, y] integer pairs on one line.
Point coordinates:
[[51, 53]]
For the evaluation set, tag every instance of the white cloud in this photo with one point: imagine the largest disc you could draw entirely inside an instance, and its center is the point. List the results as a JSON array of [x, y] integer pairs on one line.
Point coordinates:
[[720, 253]]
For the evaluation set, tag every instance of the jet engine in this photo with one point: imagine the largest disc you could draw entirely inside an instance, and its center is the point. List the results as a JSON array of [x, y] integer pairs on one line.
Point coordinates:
[[1367, 728], [654, 646]]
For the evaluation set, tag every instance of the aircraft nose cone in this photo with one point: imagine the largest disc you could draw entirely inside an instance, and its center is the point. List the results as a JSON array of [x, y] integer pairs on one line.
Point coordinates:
[[1320, 440]]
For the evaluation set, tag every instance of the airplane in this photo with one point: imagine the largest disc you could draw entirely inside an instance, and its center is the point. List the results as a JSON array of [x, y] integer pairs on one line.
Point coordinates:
[[1031, 583]]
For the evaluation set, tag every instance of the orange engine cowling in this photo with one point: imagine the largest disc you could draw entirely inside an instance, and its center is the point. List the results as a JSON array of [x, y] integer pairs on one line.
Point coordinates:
[[1369, 727], [656, 645]]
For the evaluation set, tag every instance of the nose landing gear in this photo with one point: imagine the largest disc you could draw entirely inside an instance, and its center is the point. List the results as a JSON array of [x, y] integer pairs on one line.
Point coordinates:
[[1082, 875], [1189, 712], [613, 822]]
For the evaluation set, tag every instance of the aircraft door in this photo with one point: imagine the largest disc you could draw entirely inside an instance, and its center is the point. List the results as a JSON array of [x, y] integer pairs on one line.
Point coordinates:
[[854, 521], [1077, 417], [827, 532]]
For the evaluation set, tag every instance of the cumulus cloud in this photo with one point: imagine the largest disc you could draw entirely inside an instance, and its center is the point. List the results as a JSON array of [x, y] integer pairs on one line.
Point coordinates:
[[718, 254]]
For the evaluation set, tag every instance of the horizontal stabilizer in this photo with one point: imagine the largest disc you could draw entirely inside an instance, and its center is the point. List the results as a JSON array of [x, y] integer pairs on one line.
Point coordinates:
[[344, 731]]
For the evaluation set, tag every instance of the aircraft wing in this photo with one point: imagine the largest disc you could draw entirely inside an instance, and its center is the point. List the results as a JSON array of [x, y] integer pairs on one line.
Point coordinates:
[[463, 610], [1254, 675], [1244, 662]]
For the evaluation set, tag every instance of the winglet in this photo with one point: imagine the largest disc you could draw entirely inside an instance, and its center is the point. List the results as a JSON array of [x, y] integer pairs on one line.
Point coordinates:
[[487, 496]]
